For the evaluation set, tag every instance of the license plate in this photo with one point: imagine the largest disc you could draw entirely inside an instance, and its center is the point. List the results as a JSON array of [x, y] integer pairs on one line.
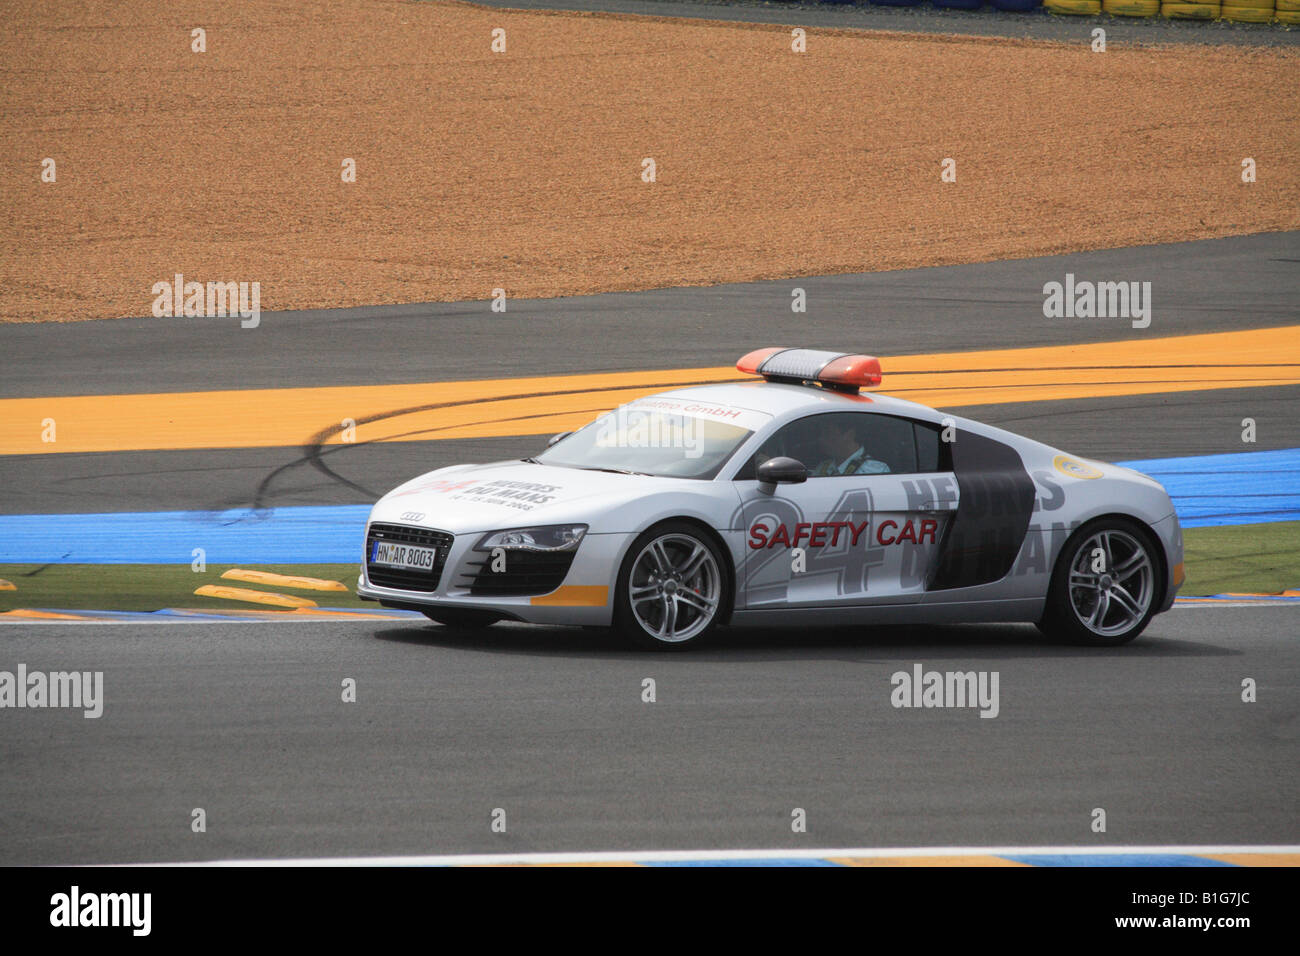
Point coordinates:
[[403, 556]]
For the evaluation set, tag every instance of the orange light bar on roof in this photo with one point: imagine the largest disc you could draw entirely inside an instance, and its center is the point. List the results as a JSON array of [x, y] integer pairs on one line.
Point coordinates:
[[835, 370], [860, 370], [751, 363]]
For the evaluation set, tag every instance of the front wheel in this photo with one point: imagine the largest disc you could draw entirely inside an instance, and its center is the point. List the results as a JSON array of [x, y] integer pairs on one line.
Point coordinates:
[[670, 587], [1105, 588]]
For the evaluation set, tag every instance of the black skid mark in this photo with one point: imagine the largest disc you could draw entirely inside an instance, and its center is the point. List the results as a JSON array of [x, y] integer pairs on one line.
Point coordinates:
[[314, 452]]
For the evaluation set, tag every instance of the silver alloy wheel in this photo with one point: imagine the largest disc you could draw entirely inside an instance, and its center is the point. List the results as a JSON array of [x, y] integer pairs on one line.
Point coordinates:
[[1113, 600], [675, 588]]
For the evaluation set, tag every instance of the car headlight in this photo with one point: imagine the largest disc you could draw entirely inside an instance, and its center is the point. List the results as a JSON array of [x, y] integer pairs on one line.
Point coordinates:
[[556, 537]]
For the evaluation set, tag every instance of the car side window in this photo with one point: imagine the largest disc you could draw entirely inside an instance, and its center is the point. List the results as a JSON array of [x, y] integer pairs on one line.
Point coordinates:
[[932, 454], [835, 444]]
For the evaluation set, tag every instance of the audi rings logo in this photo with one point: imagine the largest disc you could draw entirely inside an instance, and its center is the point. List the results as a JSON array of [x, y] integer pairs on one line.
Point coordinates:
[[412, 515], [1075, 468]]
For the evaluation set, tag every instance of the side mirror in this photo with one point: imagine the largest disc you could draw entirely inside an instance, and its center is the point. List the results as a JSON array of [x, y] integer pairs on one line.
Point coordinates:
[[557, 438], [782, 471]]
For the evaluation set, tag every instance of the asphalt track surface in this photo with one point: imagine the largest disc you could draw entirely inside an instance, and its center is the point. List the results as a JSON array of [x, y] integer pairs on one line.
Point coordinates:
[[1212, 285], [246, 722], [1109, 429], [927, 19], [1206, 286]]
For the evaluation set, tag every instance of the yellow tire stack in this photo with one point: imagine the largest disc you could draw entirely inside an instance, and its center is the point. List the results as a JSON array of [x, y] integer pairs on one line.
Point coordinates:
[[1248, 11], [1288, 11], [1131, 8], [1077, 7], [1194, 11]]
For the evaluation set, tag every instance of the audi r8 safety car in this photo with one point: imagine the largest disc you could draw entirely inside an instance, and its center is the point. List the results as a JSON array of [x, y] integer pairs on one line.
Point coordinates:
[[793, 499]]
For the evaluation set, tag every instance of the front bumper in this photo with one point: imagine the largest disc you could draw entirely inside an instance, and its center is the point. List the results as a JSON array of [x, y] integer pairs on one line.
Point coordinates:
[[1170, 533], [585, 596]]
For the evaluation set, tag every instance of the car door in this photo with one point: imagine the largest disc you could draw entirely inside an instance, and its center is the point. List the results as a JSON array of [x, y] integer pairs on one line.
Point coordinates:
[[865, 537]]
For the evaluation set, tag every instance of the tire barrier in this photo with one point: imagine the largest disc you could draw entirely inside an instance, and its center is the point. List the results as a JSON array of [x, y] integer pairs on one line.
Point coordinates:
[[1131, 8], [1074, 7], [1248, 11], [1190, 11], [1241, 11]]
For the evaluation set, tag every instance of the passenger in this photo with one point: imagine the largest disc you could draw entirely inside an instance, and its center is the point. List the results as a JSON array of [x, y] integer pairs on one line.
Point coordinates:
[[845, 455]]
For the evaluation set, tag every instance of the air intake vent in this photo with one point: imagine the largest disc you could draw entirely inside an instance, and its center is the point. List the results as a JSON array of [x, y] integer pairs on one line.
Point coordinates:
[[526, 572], [407, 579]]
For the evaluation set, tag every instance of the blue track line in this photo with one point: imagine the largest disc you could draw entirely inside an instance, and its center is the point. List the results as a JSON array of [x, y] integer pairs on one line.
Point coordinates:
[[1241, 488], [1244, 488]]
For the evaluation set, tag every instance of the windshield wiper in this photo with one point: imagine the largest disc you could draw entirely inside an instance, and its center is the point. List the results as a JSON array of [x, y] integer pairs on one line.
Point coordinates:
[[616, 471], [530, 461]]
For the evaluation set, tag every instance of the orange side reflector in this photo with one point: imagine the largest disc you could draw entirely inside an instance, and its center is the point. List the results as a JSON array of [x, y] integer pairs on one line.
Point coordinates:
[[574, 595]]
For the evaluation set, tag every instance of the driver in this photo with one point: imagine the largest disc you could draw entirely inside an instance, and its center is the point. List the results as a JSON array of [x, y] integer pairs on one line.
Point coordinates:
[[843, 453]]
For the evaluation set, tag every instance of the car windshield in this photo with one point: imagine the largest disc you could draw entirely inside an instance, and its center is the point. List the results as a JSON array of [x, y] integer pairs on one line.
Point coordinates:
[[665, 438]]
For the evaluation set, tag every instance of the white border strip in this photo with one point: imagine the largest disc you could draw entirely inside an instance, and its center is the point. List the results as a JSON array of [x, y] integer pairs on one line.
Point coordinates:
[[185, 619], [360, 616], [689, 856]]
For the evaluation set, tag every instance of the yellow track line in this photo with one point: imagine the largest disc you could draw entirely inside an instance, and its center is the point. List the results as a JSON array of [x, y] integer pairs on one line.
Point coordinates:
[[28, 613], [257, 418]]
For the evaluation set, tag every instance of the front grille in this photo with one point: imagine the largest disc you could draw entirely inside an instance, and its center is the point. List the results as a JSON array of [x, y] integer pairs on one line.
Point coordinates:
[[407, 580], [526, 572]]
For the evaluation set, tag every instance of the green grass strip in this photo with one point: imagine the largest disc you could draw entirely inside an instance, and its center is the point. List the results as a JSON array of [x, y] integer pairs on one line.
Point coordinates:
[[149, 587], [1257, 558]]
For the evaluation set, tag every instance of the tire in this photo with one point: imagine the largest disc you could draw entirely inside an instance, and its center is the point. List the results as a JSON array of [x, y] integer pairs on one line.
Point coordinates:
[[1084, 606], [468, 620], [680, 581]]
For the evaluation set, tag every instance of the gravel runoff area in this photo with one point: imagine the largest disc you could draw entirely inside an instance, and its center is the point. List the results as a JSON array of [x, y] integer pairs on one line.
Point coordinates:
[[925, 18], [525, 170]]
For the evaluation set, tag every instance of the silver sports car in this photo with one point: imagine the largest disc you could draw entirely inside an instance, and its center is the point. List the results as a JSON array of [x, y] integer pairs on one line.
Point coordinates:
[[793, 499]]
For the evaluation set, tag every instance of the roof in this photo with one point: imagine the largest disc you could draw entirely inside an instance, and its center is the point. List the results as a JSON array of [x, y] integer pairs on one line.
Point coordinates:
[[780, 399]]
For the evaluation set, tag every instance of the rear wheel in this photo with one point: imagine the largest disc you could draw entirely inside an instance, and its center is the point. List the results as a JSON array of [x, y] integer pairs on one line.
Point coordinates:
[[670, 587], [1106, 586]]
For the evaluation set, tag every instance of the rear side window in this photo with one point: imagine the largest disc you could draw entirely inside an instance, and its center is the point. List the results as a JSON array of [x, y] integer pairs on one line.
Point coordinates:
[[835, 444], [931, 453]]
